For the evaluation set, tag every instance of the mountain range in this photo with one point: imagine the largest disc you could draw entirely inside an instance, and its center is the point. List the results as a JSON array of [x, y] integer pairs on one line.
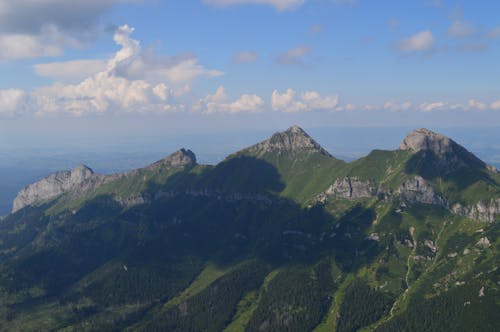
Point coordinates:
[[280, 236]]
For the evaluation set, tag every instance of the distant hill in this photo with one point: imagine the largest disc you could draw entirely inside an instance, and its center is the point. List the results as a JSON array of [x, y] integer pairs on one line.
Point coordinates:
[[279, 236]]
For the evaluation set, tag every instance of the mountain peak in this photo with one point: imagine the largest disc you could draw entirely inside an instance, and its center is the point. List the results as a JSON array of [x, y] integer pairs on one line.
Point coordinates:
[[291, 140], [179, 158], [425, 139]]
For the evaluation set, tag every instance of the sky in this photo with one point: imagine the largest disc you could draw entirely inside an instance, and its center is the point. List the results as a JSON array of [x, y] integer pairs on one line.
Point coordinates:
[[131, 67]]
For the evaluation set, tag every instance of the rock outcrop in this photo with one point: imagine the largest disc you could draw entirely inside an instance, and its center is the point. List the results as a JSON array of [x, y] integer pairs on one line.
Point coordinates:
[[417, 190], [293, 139], [80, 179], [352, 188], [482, 211], [180, 158], [424, 139]]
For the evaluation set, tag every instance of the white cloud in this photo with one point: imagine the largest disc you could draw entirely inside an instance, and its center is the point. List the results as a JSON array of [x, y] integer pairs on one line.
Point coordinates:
[[461, 29], [422, 41], [116, 88], [245, 57], [49, 43], [293, 56], [75, 70], [278, 4], [133, 63], [13, 102], [219, 103], [396, 107], [434, 106], [34, 28], [477, 105], [308, 101]]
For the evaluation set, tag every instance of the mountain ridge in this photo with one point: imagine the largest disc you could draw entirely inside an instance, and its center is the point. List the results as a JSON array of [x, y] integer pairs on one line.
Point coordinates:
[[295, 140], [289, 239]]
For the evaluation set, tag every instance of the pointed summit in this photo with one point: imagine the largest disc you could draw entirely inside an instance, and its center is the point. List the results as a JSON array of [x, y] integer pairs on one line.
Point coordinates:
[[294, 139], [179, 158]]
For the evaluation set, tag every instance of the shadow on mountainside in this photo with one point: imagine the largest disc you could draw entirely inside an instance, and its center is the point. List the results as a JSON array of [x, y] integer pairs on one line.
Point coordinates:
[[462, 171], [149, 253]]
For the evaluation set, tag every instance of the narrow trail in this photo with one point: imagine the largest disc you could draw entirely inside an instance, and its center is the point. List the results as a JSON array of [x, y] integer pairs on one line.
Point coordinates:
[[410, 257], [408, 270]]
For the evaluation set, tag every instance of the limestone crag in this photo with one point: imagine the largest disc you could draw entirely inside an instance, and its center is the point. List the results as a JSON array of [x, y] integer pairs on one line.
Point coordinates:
[[352, 188], [294, 139], [81, 178], [417, 190], [482, 211], [179, 158], [423, 139]]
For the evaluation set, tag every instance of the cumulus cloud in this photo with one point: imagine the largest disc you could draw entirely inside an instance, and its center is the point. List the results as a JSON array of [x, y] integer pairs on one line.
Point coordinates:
[[422, 41], [307, 101], [396, 107], [219, 103], [75, 70], [294, 56], [13, 102], [34, 28], [245, 57], [118, 87], [433, 106], [477, 105], [278, 4]]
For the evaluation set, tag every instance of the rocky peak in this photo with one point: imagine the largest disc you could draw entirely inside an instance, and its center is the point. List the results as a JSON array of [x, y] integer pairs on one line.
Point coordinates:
[[179, 158], [80, 173], [424, 139], [293, 139], [54, 185]]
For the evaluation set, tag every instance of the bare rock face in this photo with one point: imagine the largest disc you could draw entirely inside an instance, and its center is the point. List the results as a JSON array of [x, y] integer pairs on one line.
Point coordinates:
[[482, 211], [352, 188], [292, 140], [82, 180], [55, 185], [423, 139], [417, 190], [179, 158]]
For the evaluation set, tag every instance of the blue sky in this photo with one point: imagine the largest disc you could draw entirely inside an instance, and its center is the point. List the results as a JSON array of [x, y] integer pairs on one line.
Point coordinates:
[[110, 65]]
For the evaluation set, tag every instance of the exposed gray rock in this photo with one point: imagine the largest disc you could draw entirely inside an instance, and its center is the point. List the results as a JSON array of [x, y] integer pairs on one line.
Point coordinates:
[[81, 178], [482, 211], [291, 140], [179, 158], [417, 190], [424, 139], [352, 188], [483, 242]]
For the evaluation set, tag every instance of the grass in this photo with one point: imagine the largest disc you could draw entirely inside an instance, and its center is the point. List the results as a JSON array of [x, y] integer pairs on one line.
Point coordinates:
[[209, 274]]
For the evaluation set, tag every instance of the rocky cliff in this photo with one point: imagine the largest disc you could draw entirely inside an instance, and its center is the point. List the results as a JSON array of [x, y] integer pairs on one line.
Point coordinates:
[[82, 180], [483, 211]]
